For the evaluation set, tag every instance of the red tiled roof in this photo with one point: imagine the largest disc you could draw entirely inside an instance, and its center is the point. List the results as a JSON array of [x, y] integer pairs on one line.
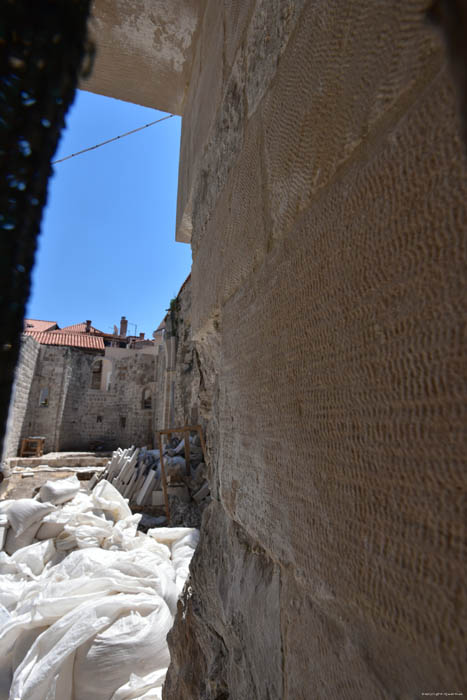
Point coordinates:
[[74, 340], [34, 324], [80, 328]]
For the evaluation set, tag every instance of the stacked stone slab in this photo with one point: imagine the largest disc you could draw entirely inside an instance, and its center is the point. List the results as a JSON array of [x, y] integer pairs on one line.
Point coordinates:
[[136, 474]]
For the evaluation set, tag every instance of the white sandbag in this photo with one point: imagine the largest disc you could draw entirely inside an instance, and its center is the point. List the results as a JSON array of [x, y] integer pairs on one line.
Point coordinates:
[[49, 529], [3, 531], [26, 511], [133, 641], [14, 542], [89, 530], [30, 561], [35, 674], [5, 505], [60, 490], [87, 612], [170, 535], [139, 687], [106, 497]]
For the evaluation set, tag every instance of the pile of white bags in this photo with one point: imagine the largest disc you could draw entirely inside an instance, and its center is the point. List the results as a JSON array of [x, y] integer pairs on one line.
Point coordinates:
[[86, 605]]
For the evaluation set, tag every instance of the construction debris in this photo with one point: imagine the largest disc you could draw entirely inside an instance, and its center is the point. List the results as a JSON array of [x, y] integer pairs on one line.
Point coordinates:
[[138, 475], [86, 601]]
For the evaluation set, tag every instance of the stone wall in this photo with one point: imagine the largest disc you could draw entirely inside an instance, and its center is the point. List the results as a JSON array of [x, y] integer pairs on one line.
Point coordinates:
[[323, 182], [53, 373], [20, 396], [77, 416], [177, 385]]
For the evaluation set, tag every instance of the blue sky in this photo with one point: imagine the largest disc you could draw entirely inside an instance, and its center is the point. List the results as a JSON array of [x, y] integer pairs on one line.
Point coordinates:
[[107, 245]]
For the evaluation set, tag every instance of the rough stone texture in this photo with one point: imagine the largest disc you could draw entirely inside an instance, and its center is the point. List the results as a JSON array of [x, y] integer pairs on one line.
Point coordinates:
[[151, 38], [230, 608], [20, 395], [203, 96], [77, 416], [329, 283], [187, 377]]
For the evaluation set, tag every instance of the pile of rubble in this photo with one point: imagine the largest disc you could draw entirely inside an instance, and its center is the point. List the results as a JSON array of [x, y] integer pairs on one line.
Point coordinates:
[[138, 475]]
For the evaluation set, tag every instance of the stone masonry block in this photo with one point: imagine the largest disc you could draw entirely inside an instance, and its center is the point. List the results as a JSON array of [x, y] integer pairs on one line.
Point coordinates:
[[351, 68], [236, 238], [203, 99], [233, 607], [237, 15], [342, 392], [222, 149], [270, 28]]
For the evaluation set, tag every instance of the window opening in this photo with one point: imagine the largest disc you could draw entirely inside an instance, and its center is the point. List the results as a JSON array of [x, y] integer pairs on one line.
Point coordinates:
[[44, 397], [147, 398], [96, 374]]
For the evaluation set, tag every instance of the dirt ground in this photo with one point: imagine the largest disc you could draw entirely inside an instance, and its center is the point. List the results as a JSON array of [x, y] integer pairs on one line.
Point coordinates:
[[19, 486]]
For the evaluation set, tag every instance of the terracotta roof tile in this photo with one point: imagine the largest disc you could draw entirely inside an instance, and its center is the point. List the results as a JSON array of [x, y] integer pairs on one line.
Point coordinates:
[[34, 324], [80, 328], [75, 340]]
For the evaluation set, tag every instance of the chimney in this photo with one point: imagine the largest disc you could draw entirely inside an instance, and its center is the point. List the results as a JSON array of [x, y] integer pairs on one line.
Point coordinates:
[[123, 327], [141, 336], [88, 327]]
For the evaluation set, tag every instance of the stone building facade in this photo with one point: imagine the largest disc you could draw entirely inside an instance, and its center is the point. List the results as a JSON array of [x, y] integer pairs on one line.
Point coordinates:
[[82, 400], [323, 189]]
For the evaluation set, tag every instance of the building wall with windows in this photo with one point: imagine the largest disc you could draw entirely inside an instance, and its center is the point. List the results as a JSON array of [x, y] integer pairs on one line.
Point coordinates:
[[82, 400]]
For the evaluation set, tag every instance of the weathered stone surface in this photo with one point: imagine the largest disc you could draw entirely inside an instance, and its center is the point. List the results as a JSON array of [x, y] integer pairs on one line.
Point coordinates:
[[203, 99], [19, 402], [226, 642], [223, 146], [328, 307], [150, 38], [219, 269], [351, 70], [271, 25], [349, 425], [78, 416]]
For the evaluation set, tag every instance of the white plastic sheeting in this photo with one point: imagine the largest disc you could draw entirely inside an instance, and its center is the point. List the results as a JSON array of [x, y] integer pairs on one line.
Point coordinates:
[[85, 613]]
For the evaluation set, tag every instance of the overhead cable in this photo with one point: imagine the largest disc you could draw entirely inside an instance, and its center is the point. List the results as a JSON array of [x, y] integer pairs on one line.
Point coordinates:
[[115, 138]]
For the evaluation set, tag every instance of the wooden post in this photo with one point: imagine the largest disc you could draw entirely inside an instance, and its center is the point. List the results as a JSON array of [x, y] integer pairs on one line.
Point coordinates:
[[164, 482]]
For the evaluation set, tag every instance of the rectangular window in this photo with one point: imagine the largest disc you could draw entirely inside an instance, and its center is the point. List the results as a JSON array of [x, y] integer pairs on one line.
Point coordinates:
[[44, 397]]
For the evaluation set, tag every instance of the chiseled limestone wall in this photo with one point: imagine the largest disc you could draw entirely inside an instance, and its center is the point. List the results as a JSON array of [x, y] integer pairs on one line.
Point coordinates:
[[20, 395], [323, 181], [187, 376]]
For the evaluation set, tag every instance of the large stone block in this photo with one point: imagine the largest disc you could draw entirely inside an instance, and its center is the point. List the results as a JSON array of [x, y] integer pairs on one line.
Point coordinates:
[[226, 641], [349, 69], [237, 15], [270, 28], [342, 389], [152, 38], [203, 100], [222, 149], [236, 237]]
